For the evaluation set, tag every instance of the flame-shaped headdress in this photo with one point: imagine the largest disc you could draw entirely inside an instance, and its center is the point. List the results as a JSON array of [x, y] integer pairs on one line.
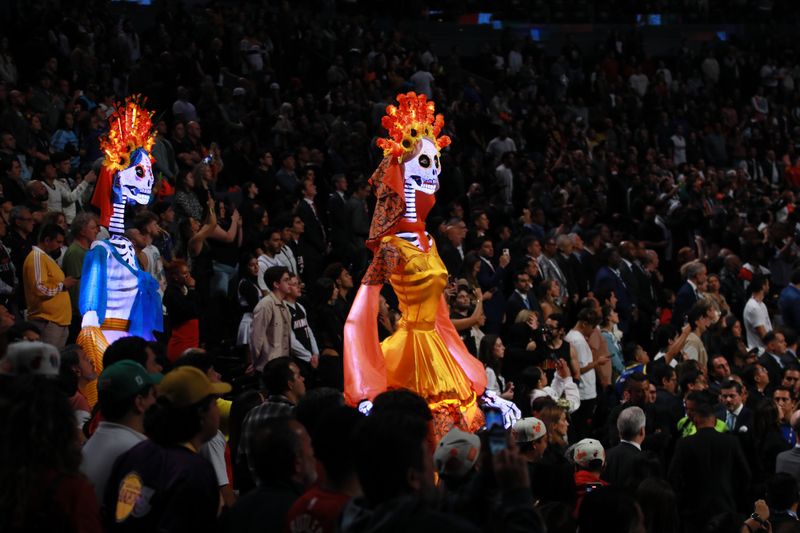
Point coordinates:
[[130, 129], [409, 122]]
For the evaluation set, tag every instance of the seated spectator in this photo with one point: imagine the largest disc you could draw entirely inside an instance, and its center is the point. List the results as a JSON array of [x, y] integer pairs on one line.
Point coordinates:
[[77, 371], [125, 391], [173, 487], [133, 348], [283, 459]]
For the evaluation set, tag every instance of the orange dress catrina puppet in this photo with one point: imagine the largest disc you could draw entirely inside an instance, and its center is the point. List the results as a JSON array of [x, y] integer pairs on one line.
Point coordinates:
[[425, 354]]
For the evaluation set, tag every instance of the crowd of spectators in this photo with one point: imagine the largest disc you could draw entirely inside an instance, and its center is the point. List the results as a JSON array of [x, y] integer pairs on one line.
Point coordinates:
[[620, 230]]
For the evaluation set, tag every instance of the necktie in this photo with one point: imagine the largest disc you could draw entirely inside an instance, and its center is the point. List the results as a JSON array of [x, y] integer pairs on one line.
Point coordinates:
[[731, 420]]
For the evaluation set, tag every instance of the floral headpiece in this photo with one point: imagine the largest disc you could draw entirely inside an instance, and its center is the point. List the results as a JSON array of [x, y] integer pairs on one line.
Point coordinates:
[[130, 132], [130, 128], [409, 122]]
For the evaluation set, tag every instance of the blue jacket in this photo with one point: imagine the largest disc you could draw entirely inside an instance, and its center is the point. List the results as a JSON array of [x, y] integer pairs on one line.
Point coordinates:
[[789, 303]]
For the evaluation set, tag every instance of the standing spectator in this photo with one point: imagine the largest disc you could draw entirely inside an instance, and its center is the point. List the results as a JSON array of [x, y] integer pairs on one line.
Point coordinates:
[[84, 232], [625, 462], [491, 279], [46, 288], [248, 294], [709, 471], [700, 317], [775, 359], [577, 338], [171, 485], [272, 322], [20, 239], [182, 307], [125, 391], [789, 460], [60, 197], [689, 292], [304, 345], [314, 237], [735, 414], [789, 302], [756, 317]]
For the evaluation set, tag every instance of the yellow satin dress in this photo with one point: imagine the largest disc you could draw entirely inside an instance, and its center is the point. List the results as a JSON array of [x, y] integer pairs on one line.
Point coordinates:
[[416, 356]]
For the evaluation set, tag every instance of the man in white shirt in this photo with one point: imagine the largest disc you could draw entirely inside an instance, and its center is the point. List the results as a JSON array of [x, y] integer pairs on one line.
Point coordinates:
[[125, 391], [588, 319], [756, 317], [272, 246]]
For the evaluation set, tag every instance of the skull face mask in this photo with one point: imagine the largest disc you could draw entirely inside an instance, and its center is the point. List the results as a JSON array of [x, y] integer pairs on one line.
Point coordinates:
[[422, 171], [136, 181]]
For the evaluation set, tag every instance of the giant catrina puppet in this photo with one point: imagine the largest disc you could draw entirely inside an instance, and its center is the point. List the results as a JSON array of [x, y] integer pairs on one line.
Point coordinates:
[[117, 297], [425, 354]]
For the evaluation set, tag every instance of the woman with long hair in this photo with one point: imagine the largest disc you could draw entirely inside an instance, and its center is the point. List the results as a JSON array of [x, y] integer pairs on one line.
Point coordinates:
[[77, 371], [769, 441], [547, 292], [248, 295], [41, 487], [612, 336], [491, 352], [185, 202], [557, 422], [469, 270]]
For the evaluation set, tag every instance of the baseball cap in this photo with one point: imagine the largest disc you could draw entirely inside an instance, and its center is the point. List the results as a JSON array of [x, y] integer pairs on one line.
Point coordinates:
[[586, 451], [528, 430], [31, 358], [124, 379], [187, 385], [456, 453]]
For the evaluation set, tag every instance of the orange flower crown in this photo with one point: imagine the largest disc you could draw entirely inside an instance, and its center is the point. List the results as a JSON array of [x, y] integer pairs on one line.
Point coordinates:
[[130, 128], [409, 122]]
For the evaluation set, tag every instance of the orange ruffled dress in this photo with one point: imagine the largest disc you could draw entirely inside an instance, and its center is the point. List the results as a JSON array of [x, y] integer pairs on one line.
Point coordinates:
[[416, 356]]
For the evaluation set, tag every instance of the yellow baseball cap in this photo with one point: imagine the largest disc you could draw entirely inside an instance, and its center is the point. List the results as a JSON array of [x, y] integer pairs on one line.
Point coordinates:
[[187, 385]]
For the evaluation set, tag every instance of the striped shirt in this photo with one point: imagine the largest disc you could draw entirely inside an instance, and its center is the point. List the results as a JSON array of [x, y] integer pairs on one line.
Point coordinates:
[[43, 281]]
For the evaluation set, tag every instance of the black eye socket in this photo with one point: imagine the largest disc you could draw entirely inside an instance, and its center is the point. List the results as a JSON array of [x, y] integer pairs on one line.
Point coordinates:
[[424, 161], [140, 171]]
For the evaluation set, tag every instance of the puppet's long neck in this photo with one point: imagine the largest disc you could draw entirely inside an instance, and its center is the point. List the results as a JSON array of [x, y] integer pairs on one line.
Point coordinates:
[[116, 225], [411, 203]]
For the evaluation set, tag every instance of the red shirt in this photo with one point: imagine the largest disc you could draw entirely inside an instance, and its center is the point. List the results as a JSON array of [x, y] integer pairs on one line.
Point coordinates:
[[316, 511]]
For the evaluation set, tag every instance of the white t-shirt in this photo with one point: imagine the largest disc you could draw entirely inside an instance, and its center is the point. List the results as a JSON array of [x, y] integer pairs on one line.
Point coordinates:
[[755, 314], [588, 385], [108, 442], [214, 451]]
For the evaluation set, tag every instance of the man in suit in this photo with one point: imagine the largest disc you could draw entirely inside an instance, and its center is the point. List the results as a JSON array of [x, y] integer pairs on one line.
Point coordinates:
[[774, 359], [338, 228], [709, 472], [314, 237], [491, 278], [688, 294], [609, 277], [569, 265], [523, 297], [789, 461], [626, 465], [452, 250], [735, 414], [358, 225]]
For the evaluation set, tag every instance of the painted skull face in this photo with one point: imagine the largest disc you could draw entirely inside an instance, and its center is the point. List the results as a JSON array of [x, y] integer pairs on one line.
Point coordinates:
[[422, 171], [136, 181]]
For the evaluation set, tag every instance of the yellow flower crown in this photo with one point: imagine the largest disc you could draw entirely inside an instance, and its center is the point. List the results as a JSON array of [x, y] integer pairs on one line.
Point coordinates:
[[130, 128], [409, 122]]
